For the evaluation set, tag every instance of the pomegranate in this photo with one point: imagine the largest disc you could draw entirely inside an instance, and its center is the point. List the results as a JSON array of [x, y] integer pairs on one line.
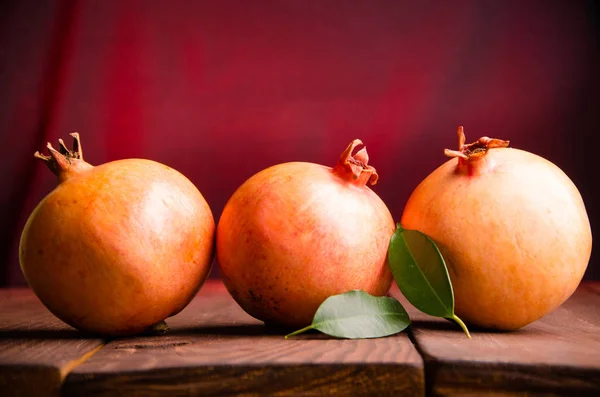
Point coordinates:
[[116, 248], [512, 228], [296, 233]]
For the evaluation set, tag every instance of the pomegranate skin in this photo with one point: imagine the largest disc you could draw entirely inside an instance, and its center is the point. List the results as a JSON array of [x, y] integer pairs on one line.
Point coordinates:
[[119, 247], [296, 233], [513, 230]]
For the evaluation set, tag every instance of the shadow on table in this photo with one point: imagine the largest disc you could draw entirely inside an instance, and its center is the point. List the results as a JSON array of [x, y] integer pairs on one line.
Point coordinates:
[[46, 334], [244, 330], [451, 327], [235, 330], [222, 331]]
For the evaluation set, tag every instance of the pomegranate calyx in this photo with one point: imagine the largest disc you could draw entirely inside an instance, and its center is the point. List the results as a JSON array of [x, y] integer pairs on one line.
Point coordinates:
[[355, 168], [475, 149], [64, 162]]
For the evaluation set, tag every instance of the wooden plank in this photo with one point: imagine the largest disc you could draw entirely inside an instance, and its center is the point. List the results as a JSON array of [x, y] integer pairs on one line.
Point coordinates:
[[556, 355], [37, 350], [215, 349]]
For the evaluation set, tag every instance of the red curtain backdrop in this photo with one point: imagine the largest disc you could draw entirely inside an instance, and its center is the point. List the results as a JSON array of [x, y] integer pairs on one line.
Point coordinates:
[[222, 89]]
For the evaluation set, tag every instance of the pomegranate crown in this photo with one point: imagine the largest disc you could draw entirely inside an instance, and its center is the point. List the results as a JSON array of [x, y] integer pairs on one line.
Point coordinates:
[[64, 162], [355, 167], [475, 149]]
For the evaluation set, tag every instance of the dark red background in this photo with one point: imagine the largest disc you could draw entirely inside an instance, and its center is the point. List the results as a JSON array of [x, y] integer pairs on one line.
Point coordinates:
[[222, 89]]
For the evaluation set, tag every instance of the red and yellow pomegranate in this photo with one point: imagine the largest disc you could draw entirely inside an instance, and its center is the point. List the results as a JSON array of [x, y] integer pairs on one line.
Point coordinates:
[[296, 233], [512, 228], [116, 248]]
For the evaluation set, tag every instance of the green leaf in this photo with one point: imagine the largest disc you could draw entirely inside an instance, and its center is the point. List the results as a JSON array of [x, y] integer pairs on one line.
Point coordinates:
[[356, 314], [421, 273]]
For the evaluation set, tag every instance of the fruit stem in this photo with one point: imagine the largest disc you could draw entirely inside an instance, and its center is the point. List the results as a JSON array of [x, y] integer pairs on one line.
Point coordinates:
[[355, 168], [65, 163], [299, 331], [160, 328], [461, 324]]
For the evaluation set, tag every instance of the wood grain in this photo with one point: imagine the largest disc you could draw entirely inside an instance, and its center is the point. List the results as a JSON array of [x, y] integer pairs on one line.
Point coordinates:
[[215, 349], [556, 355], [37, 350]]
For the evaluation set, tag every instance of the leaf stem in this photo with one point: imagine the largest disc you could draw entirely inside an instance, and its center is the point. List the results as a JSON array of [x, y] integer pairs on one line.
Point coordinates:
[[299, 331], [461, 324]]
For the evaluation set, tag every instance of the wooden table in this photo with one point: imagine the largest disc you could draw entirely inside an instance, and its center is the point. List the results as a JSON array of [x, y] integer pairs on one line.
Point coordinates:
[[215, 349]]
